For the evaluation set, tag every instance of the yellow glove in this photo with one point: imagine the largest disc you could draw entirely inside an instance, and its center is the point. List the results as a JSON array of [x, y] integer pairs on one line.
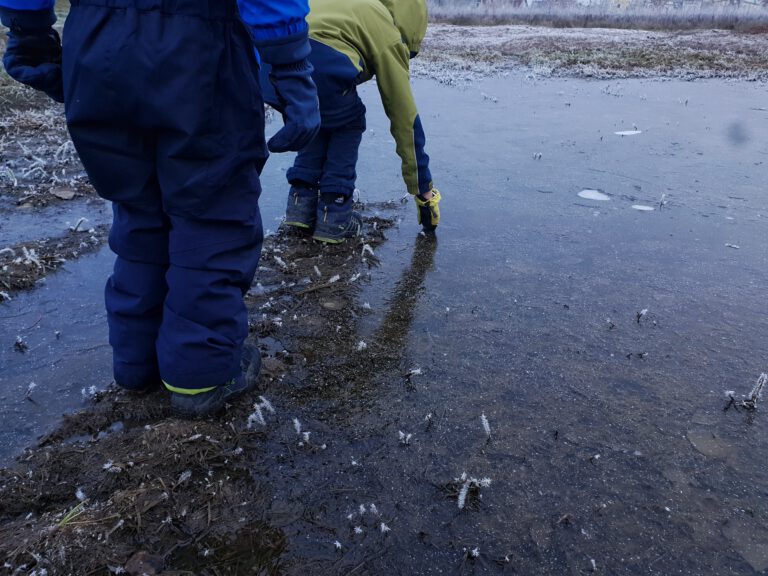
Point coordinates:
[[428, 211]]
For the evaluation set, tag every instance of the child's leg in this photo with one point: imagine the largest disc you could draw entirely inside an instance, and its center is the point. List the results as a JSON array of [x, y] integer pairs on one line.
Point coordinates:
[[304, 178], [339, 170], [335, 218]]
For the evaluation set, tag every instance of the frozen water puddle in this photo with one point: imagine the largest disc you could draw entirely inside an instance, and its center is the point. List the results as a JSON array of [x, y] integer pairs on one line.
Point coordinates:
[[642, 208], [628, 132], [593, 195]]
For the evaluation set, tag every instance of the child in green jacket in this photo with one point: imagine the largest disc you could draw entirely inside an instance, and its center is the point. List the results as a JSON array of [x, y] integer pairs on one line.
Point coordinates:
[[353, 41]]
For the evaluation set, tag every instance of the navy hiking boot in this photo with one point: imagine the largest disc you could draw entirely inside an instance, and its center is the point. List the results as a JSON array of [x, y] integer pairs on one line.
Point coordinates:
[[301, 211], [204, 404], [336, 221]]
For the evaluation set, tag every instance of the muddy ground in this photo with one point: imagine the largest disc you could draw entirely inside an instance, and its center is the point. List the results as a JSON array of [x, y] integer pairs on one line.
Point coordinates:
[[609, 450], [152, 492]]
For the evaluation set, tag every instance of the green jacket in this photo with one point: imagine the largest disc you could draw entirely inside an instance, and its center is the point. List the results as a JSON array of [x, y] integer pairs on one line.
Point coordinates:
[[355, 40]]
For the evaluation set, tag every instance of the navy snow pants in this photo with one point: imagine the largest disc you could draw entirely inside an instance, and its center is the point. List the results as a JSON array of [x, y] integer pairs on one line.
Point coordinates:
[[328, 163], [165, 111]]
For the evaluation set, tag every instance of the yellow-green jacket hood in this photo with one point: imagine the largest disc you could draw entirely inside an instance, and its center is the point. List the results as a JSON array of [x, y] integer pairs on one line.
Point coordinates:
[[410, 17]]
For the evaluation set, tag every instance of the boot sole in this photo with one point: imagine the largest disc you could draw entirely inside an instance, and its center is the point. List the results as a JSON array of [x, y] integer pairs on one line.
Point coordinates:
[[301, 225]]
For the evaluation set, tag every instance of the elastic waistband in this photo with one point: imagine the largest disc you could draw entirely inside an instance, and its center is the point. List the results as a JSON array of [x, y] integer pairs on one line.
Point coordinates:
[[208, 9]]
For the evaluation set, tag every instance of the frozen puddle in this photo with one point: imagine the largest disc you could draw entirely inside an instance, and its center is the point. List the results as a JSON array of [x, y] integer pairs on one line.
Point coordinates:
[[628, 132], [593, 195], [642, 208]]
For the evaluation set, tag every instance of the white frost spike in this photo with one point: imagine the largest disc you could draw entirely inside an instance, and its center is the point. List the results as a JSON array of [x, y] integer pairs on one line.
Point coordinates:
[[486, 424], [361, 346], [256, 417], [267, 405], [384, 528], [305, 435], [414, 372], [729, 393], [358, 530], [355, 277], [475, 552], [280, 262], [317, 271], [484, 482], [373, 509], [80, 495], [186, 475], [334, 278], [405, 439], [757, 389], [337, 545], [366, 306], [88, 392], [642, 312], [297, 426], [463, 494], [362, 509], [367, 248]]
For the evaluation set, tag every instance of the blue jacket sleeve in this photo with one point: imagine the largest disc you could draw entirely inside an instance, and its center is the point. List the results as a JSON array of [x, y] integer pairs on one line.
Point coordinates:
[[272, 21], [27, 4]]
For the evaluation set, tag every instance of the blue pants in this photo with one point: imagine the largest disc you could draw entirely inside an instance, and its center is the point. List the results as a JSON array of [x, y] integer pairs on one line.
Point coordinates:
[[165, 110], [328, 162]]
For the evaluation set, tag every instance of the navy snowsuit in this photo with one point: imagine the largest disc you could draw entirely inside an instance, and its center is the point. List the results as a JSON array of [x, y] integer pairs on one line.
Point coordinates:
[[165, 110]]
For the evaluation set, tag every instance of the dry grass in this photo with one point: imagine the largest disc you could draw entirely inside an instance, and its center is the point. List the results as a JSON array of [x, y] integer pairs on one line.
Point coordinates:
[[460, 54], [747, 18]]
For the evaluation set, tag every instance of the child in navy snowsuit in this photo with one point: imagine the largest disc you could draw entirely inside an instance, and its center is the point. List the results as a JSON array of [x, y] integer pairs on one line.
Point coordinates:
[[164, 108]]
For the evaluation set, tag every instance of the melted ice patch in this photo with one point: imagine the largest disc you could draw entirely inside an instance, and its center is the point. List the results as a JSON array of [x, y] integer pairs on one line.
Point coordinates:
[[642, 207], [593, 195], [628, 132]]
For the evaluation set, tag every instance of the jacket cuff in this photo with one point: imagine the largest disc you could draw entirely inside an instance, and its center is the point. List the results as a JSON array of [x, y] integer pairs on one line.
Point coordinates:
[[27, 20], [285, 51]]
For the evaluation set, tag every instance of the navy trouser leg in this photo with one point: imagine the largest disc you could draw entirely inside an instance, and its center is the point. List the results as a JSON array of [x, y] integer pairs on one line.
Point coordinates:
[[308, 166], [136, 291], [166, 114], [339, 172]]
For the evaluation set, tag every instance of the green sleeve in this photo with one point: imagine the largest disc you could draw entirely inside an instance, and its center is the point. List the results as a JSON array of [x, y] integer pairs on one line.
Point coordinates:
[[393, 79]]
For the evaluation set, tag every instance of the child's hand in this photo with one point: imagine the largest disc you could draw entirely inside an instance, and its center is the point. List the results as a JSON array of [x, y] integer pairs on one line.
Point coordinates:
[[33, 53], [427, 209]]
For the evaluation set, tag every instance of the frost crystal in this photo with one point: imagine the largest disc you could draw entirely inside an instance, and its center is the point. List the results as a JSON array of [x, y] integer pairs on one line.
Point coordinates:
[[486, 424], [384, 528], [297, 426], [463, 494], [267, 405], [256, 417]]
